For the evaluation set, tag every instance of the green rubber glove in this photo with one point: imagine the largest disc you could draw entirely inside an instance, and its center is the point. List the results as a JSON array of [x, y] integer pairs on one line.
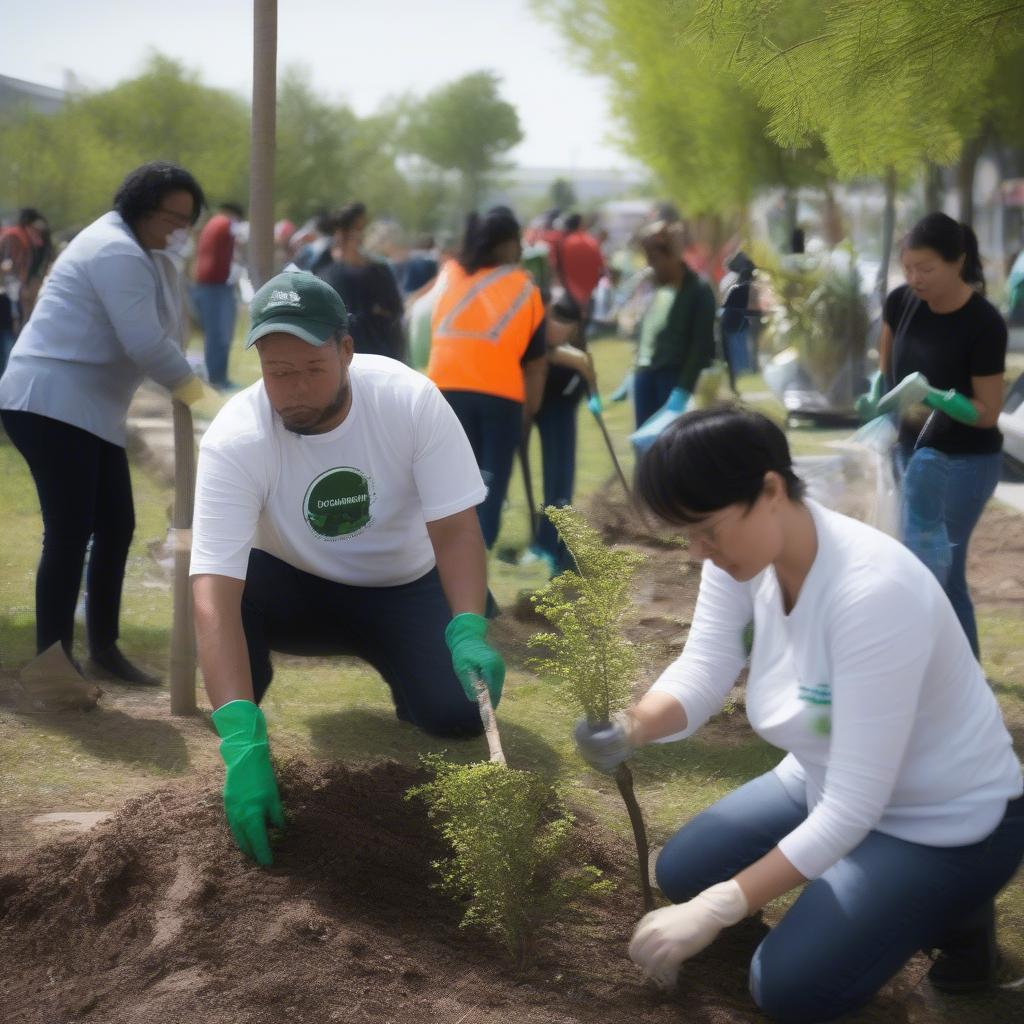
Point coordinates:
[[472, 655], [866, 405], [250, 789], [955, 405]]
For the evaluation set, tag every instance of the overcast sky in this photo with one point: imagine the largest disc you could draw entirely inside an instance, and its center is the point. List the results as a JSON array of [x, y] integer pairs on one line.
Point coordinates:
[[357, 50]]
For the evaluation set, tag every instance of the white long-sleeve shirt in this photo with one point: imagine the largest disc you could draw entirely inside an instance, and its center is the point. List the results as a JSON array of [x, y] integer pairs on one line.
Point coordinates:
[[869, 684], [102, 324]]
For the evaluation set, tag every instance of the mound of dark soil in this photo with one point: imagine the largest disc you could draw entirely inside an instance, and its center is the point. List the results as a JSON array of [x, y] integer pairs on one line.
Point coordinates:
[[155, 917]]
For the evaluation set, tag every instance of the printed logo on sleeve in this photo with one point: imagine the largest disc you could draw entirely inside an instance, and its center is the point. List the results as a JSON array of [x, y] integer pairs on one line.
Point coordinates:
[[337, 503]]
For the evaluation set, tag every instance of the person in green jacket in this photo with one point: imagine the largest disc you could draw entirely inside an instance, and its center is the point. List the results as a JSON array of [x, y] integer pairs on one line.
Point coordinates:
[[677, 334]]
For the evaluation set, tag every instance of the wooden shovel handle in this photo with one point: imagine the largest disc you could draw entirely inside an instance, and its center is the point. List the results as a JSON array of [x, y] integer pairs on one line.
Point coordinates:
[[483, 699]]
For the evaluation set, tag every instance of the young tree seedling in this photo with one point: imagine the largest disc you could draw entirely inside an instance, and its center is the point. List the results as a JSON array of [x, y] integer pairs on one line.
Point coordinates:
[[587, 651]]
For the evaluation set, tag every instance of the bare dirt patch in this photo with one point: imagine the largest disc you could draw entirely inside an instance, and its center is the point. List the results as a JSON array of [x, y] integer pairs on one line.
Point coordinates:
[[154, 916]]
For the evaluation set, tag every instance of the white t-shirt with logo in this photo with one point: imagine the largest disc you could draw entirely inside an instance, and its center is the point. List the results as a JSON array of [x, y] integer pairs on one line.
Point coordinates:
[[350, 505], [869, 683]]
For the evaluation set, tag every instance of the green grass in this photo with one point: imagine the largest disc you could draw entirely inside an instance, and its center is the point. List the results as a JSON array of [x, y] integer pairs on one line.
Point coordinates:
[[339, 709]]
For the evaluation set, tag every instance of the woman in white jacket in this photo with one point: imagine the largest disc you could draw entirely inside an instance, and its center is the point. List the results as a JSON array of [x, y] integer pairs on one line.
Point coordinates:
[[100, 326], [898, 805]]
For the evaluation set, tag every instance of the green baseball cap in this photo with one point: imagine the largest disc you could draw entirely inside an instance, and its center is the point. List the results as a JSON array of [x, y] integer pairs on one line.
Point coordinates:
[[295, 302]]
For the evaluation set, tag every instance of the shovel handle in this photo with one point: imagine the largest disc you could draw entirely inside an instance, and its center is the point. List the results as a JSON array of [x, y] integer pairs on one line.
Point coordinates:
[[483, 699]]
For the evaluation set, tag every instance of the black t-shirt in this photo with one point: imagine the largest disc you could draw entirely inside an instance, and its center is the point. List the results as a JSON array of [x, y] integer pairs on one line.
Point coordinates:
[[949, 349], [374, 306]]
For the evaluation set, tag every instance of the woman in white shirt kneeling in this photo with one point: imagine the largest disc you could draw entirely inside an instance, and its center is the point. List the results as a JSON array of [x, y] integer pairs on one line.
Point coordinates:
[[898, 802]]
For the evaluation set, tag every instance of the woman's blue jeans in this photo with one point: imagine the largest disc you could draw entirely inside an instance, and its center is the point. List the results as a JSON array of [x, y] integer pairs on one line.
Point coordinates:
[[854, 927], [943, 497]]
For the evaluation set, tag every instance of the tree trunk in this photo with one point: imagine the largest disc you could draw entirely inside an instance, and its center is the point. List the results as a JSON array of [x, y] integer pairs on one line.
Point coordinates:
[[261, 165], [965, 169], [832, 219], [790, 203], [888, 233], [932, 187], [624, 780]]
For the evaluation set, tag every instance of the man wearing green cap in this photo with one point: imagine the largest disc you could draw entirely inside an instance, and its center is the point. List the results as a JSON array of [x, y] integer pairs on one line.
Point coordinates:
[[335, 513]]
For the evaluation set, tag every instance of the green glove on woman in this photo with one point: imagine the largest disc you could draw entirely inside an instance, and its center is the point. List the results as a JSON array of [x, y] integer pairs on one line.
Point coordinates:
[[250, 789], [473, 656]]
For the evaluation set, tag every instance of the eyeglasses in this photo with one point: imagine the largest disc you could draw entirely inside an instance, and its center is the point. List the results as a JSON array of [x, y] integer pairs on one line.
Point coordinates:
[[181, 219], [708, 532]]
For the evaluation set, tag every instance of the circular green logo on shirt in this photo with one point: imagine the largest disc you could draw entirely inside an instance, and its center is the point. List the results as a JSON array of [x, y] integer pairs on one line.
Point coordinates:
[[337, 503]]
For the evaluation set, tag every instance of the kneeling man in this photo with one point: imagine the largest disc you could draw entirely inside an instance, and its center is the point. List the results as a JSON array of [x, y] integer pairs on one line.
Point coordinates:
[[335, 513]]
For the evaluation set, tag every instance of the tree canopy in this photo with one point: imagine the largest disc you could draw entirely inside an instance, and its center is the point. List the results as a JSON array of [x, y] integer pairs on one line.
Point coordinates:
[[69, 164], [464, 126], [881, 83], [697, 127]]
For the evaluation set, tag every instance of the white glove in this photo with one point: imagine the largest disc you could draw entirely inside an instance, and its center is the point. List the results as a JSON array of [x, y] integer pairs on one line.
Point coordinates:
[[605, 749], [665, 938]]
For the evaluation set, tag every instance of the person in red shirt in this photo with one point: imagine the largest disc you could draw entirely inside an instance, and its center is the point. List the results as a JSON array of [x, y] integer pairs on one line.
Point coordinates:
[[214, 291], [579, 263]]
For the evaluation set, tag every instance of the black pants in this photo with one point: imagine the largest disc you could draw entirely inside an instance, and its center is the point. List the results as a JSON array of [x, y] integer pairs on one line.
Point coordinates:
[[398, 630], [494, 426], [85, 492]]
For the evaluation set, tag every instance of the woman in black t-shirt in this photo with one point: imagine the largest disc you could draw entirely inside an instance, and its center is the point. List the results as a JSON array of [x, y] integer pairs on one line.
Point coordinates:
[[946, 344], [366, 286]]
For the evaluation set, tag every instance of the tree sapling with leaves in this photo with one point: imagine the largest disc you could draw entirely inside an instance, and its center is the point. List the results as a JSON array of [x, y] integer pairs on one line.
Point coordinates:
[[589, 653], [507, 830]]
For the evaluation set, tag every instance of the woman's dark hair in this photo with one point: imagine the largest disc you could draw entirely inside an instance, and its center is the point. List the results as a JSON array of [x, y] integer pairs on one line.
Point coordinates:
[[144, 189], [950, 240], [573, 223], [710, 459], [348, 216], [484, 234]]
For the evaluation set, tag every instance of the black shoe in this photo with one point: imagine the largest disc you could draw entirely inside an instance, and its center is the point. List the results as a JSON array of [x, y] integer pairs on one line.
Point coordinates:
[[968, 960], [112, 664]]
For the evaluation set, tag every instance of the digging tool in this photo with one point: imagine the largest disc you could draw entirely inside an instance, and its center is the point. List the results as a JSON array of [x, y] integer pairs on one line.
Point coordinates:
[[483, 699], [183, 651], [49, 683], [594, 405], [524, 464]]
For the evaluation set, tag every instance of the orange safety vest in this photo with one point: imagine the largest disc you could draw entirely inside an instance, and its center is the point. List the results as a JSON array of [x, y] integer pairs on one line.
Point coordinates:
[[482, 325]]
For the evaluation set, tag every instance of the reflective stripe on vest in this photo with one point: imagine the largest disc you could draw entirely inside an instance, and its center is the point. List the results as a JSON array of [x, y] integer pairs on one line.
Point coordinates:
[[482, 325]]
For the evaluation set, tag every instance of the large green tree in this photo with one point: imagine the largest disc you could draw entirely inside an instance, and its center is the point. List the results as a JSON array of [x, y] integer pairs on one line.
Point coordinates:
[[70, 163], [692, 123], [881, 83], [466, 127]]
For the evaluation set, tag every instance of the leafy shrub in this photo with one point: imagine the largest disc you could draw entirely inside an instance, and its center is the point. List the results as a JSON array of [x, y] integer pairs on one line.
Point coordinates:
[[508, 831]]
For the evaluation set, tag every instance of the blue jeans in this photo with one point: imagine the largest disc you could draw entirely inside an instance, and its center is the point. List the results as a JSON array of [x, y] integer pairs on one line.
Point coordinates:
[[854, 927], [398, 630], [217, 311], [943, 497], [651, 389], [494, 426], [556, 422]]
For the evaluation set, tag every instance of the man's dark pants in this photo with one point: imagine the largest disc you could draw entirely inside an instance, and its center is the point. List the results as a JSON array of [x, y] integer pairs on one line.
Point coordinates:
[[398, 630]]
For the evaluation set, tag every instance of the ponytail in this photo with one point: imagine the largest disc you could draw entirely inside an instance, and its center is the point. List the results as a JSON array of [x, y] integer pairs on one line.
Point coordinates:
[[972, 272], [483, 235]]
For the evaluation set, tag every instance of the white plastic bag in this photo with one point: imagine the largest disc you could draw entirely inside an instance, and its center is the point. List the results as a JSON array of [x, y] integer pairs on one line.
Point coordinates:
[[858, 480]]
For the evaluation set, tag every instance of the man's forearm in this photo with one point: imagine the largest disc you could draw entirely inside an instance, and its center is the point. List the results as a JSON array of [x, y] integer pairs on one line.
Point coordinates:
[[221, 648], [461, 562]]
